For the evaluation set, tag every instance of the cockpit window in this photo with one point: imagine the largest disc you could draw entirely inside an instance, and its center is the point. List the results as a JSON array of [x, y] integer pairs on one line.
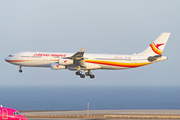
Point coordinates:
[[11, 56], [16, 113]]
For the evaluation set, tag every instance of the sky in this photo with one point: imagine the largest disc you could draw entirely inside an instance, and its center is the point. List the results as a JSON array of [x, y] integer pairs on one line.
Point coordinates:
[[101, 26]]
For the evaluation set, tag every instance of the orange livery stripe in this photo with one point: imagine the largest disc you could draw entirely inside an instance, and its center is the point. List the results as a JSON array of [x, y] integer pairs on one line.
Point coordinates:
[[156, 50], [55, 60], [18, 60], [111, 63], [118, 64]]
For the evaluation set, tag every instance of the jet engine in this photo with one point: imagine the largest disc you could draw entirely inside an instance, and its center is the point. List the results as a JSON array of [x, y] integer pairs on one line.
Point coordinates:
[[66, 61], [56, 66]]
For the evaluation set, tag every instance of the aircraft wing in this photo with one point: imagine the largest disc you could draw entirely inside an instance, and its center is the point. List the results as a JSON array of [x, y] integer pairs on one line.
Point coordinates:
[[78, 58], [78, 55]]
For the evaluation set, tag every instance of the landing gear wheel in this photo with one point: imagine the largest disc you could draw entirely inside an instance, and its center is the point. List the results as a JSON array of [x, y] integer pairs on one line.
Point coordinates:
[[20, 71], [82, 76], [92, 76], [78, 73], [87, 74]]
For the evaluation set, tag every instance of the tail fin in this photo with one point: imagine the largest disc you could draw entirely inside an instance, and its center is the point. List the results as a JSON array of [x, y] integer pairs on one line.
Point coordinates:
[[157, 47]]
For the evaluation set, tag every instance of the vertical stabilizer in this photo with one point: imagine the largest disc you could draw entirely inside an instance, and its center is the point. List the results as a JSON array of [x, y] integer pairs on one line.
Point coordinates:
[[157, 47]]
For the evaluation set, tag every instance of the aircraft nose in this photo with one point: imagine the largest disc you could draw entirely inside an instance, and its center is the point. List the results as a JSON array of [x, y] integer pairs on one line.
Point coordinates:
[[6, 59], [23, 118]]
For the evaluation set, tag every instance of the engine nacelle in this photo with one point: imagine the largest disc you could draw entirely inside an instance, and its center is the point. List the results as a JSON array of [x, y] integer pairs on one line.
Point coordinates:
[[66, 61], [56, 66]]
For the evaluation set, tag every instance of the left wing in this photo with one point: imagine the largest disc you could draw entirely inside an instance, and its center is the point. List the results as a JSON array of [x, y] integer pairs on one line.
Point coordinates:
[[78, 58], [78, 55]]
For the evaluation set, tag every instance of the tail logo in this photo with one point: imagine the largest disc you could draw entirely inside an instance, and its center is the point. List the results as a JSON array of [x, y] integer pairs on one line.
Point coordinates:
[[158, 45], [155, 48]]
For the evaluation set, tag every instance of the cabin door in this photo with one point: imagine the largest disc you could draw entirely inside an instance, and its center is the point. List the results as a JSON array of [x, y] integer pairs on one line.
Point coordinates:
[[92, 58], [4, 114], [133, 59]]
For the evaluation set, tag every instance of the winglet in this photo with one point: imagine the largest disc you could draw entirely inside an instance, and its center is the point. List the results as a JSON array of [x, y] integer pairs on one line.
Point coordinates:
[[82, 50]]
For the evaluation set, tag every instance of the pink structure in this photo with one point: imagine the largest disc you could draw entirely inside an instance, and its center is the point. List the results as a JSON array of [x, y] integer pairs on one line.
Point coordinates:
[[10, 114]]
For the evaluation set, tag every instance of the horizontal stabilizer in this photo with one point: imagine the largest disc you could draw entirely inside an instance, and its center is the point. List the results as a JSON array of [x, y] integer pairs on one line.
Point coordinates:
[[153, 58]]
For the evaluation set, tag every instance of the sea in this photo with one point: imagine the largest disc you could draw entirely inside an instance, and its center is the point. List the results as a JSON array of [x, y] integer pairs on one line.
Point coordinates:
[[98, 97]]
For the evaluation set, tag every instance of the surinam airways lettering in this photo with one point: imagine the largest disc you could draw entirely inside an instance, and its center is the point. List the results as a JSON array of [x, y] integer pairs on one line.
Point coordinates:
[[50, 55]]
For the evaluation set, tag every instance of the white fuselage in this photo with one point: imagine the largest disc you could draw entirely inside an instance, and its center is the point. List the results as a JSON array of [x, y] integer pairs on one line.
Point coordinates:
[[92, 61], [82, 61]]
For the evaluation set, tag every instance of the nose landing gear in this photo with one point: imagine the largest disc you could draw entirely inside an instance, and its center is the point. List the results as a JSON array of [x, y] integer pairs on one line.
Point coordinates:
[[20, 70]]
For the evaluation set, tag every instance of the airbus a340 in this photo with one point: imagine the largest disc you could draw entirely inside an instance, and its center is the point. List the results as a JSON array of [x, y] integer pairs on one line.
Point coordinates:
[[87, 62]]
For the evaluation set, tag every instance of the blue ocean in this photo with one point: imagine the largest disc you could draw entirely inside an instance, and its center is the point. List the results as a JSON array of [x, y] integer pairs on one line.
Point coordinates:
[[98, 97]]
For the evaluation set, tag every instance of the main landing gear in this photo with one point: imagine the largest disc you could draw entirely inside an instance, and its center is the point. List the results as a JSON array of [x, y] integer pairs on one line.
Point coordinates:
[[20, 70], [80, 74], [87, 73]]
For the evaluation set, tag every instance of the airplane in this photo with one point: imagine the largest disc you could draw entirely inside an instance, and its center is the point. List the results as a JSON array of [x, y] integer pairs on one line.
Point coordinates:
[[83, 61], [10, 114]]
